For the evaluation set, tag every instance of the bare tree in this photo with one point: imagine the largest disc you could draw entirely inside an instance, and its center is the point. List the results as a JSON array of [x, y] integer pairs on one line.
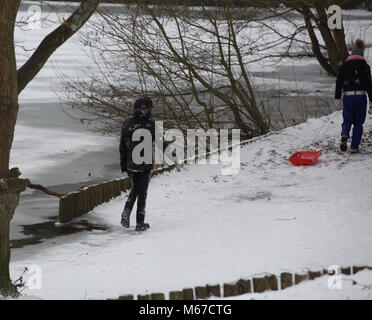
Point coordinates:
[[193, 63], [327, 46], [12, 82]]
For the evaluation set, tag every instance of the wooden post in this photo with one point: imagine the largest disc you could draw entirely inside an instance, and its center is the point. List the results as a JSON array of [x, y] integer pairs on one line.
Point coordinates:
[[94, 196], [114, 191], [346, 270], [122, 184], [201, 293], [118, 187], [301, 277], [244, 286], [88, 197], [214, 290], [63, 210], [314, 274], [100, 194], [176, 295], [107, 191], [70, 206], [125, 184], [84, 199], [230, 290], [272, 282], [188, 294], [157, 296], [74, 203], [127, 297], [111, 189], [80, 204], [260, 284], [286, 280], [358, 268]]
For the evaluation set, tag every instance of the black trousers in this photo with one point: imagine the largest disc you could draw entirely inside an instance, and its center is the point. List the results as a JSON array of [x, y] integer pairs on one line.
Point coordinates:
[[140, 183]]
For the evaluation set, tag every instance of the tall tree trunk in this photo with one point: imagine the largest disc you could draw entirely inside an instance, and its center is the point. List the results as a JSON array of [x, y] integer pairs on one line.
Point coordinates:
[[12, 82], [8, 202], [323, 61], [8, 115]]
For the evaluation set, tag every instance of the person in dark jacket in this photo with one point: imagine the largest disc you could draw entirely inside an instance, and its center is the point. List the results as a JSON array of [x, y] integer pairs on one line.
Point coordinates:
[[354, 83], [139, 173], [138, 167]]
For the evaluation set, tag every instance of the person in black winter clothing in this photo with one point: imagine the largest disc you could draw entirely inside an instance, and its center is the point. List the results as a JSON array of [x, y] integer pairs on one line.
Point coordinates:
[[354, 82], [134, 132], [139, 173]]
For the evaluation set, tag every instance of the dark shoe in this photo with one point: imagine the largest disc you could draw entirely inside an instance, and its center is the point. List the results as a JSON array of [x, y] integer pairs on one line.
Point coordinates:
[[354, 151], [125, 216], [343, 145], [142, 226]]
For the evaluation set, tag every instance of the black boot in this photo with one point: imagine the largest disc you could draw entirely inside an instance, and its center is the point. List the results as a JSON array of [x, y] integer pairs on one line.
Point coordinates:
[[343, 145], [142, 226], [125, 216]]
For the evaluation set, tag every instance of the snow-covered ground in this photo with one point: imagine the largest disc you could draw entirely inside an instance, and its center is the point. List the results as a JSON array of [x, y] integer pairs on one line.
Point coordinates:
[[209, 228]]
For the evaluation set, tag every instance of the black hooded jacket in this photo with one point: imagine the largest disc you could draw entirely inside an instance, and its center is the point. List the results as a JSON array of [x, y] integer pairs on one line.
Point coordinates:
[[127, 144], [354, 75]]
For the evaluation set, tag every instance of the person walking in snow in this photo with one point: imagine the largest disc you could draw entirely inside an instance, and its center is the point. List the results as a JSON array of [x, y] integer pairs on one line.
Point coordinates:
[[354, 83], [139, 172]]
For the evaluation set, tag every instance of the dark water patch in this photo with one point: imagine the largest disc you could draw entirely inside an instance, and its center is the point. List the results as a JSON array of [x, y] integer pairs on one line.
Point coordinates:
[[46, 230]]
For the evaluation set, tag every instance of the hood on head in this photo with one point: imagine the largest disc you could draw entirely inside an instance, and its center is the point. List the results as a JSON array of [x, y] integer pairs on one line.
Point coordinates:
[[143, 108], [358, 48]]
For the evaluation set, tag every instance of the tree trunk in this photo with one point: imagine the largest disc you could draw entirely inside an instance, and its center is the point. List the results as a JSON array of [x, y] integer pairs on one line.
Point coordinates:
[[11, 83], [8, 116], [8, 202], [8, 81], [323, 61]]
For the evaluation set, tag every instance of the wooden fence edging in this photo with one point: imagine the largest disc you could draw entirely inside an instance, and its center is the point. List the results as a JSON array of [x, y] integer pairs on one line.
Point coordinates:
[[243, 286]]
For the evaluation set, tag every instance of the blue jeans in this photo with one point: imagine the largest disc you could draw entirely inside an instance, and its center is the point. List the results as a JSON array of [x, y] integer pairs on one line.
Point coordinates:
[[354, 113]]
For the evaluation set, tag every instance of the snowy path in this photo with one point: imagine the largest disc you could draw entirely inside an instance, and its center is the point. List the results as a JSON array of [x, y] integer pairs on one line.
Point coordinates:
[[208, 228]]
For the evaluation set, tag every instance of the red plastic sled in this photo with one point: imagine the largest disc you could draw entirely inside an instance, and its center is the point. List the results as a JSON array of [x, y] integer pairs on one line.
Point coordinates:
[[305, 158]]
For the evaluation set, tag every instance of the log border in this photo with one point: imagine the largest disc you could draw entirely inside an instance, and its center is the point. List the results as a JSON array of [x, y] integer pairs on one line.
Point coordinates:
[[256, 284], [78, 203]]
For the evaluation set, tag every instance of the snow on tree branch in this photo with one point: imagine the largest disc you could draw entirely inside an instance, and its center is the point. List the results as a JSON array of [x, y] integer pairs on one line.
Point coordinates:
[[54, 40]]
